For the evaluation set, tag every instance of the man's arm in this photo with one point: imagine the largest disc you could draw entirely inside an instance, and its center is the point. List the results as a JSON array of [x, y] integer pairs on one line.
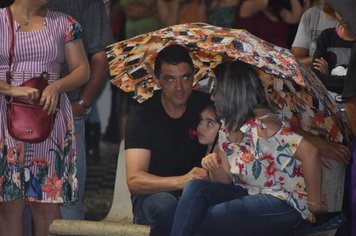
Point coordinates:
[[96, 36], [301, 44], [327, 149], [302, 54], [139, 181], [90, 91]]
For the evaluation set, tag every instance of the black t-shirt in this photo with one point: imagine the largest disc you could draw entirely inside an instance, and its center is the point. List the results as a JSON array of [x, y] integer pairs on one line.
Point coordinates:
[[336, 51], [175, 150]]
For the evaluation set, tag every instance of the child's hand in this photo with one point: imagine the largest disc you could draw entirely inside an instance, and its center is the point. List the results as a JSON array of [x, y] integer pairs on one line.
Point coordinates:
[[211, 162], [321, 65]]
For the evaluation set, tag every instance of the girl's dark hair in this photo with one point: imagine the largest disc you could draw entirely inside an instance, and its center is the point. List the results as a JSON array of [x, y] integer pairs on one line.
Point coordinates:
[[173, 55], [211, 107], [239, 91]]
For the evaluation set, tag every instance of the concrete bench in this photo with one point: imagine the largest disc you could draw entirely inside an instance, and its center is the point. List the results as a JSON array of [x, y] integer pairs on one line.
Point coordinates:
[[118, 221]]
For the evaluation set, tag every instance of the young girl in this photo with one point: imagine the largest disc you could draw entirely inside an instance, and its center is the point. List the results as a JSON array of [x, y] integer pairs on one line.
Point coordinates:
[[265, 179], [208, 127]]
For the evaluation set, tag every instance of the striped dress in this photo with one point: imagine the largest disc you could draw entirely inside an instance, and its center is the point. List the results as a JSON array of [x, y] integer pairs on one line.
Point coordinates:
[[46, 171]]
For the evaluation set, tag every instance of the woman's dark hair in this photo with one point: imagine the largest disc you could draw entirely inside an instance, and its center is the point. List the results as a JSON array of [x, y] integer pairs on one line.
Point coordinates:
[[173, 55], [239, 91]]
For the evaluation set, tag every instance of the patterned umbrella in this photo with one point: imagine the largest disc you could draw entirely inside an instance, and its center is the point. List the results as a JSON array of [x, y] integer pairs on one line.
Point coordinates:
[[295, 90]]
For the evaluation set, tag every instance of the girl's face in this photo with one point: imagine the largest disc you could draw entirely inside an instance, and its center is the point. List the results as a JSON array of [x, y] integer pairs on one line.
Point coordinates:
[[208, 127]]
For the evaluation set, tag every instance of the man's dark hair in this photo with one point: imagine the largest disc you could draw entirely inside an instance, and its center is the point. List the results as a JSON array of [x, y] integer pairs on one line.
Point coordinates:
[[173, 55], [5, 3]]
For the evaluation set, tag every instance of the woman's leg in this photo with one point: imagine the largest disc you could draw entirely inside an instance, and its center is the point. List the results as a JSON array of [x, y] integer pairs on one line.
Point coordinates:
[[43, 214], [254, 215], [11, 218], [197, 196]]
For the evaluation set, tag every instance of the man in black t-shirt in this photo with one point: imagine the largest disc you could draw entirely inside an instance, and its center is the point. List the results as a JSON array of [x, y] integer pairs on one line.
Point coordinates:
[[162, 153]]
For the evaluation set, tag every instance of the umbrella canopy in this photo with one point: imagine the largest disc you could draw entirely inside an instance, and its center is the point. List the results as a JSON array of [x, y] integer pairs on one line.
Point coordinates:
[[295, 90]]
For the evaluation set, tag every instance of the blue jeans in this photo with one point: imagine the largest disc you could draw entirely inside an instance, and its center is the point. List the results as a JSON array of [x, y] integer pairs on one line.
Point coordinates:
[[210, 208], [75, 211], [93, 116], [156, 210]]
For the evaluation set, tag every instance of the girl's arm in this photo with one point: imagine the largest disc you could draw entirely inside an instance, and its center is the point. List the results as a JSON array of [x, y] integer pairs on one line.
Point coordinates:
[[218, 166], [308, 154]]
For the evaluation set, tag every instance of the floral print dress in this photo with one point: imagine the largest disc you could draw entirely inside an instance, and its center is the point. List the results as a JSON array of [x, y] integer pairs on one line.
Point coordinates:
[[266, 165], [46, 171]]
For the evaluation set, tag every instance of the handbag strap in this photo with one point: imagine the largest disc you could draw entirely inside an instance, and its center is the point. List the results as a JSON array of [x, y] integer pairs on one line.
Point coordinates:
[[12, 44]]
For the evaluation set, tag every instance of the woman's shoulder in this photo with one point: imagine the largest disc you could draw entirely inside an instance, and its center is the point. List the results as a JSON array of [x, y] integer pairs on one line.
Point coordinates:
[[2, 12], [268, 124], [3, 18]]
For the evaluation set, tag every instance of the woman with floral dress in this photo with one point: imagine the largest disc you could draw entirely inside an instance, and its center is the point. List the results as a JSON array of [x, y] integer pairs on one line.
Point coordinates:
[[265, 179], [43, 174]]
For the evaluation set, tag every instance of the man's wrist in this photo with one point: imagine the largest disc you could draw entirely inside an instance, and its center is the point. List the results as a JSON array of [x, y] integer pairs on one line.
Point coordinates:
[[85, 106]]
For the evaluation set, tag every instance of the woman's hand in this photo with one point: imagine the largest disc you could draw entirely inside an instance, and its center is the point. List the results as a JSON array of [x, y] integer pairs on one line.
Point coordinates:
[[318, 207], [49, 99], [211, 162], [25, 93]]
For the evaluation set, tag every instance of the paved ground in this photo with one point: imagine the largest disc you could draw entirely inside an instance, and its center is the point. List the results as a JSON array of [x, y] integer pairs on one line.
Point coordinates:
[[100, 182]]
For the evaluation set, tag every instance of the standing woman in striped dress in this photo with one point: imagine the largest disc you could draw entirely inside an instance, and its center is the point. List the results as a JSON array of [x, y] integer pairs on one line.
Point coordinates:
[[42, 175]]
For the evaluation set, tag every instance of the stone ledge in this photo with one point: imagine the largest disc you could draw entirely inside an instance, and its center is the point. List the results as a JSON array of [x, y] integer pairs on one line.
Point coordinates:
[[98, 228]]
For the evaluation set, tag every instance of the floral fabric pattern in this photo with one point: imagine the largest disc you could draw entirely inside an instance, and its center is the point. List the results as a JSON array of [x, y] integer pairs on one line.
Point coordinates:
[[74, 30], [267, 165]]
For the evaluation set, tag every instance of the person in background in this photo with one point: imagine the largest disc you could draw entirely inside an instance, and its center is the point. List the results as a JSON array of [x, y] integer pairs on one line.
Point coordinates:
[[162, 151], [113, 134], [141, 16], [332, 55], [263, 175], [345, 84], [42, 175], [173, 12], [221, 12], [349, 95], [313, 22], [97, 35], [268, 19]]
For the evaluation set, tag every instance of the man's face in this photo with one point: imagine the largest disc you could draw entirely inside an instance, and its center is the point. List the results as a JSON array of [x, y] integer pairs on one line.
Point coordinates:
[[176, 82]]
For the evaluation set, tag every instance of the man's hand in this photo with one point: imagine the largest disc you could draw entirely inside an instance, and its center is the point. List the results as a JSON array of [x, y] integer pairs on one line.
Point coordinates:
[[334, 151], [196, 173], [327, 149]]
